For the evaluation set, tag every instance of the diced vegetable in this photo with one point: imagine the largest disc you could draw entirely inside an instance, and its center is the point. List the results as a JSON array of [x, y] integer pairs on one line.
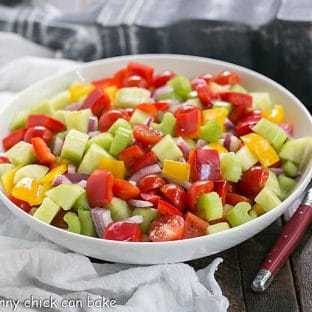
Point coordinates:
[[231, 167], [45, 121], [196, 190], [167, 125], [87, 227], [181, 86], [42, 151], [5, 167], [290, 169], [60, 100], [166, 148], [188, 121], [218, 227], [21, 154], [19, 120], [262, 101], [47, 211], [286, 184], [13, 138], [211, 131], [130, 97], [148, 214], [138, 117], [119, 209], [239, 214], [7, 179], [123, 231], [78, 120], [116, 167], [104, 140], [175, 170], [267, 199], [272, 184], [119, 123], [73, 222], [31, 171], [125, 190], [246, 158], [122, 139], [277, 115], [44, 107], [210, 206], [98, 101]]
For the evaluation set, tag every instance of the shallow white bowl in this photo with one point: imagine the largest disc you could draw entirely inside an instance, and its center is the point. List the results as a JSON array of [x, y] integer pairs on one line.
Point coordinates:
[[166, 252]]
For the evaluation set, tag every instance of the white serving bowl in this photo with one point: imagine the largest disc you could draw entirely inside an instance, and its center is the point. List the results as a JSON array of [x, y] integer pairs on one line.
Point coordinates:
[[174, 251]]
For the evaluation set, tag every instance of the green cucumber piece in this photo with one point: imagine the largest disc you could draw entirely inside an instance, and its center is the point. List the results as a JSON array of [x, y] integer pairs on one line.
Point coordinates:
[[246, 158], [290, 169], [30, 171], [211, 131], [222, 104], [192, 95], [122, 139], [238, 88], [81, 203], [119, 209], [239, 214], [73, 222], [130, 97], [231, 167], [218, 227], [103, 140], [61, 100], [273, 185], [267, 199], [194, 102], [43, 107], [78, 120], [21, 154], [74, 146], [92, 159], [87, 226], [210, 206], [65, 195], [168, 95], [19, 120], [138, 117], [166, 148], [272, 132], [287, 185], [47, 211], [5, 168], [261, 101], [148, 214], [61, 115], [181, 86], [167, 125], [119, 123]]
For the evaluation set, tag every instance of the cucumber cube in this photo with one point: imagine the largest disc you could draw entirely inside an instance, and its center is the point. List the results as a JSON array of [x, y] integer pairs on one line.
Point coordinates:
[[34, 172], [181, 86], [130, 97], [231, 167], [138, 117], [238, 88], [61, 100], [166, 148], [74, 146], [267, 199], [119, 123], [47, 211], [239, 214], [272, 132], [21, 154], [19, 120], [73, 222], [246, 158], [92, 159], [103, 140], [78, 120], [65, 195], [119, 209], [290, 169], [211, 131], [262, 101], [148, 214], [210, 206], [81, 203], [222, 104], [61, 115], [167, 94], [167, 125], [122, 139], [273, 185], [43, 107], [218, 227], [87, 226], [5, 168], [287, 185]]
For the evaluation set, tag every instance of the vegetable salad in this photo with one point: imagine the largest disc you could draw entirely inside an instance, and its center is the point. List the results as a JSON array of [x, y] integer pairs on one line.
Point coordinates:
[[145, 156]]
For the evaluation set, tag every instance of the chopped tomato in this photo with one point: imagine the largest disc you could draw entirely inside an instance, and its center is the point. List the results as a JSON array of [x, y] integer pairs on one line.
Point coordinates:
[[4, 160], [12, 138], [253, 180], [109, 117], [98, 101], [151, 197], [196, 190], [142, 70], [104, 83], [167, 228], [45, 121], [147, 159], [205, 95], [131, 154], [161, 106], [123, 231], [194, 226], [167, 209], [20, 203], [120, 77], [124, 189], [149, 109], [42, 151], [100, 188], [146, 135], [135, 81], [175, 194], [226, 78], [161, 79], [222, 188], [188, 122], [38, 132], [151, 182], [234, 198], [244, 126]]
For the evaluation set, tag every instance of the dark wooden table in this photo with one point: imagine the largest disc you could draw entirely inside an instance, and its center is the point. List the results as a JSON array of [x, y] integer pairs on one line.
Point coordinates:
[[291, 291]]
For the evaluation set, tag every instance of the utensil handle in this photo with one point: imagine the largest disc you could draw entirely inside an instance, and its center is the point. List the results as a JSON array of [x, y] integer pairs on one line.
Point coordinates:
[[287, 241]]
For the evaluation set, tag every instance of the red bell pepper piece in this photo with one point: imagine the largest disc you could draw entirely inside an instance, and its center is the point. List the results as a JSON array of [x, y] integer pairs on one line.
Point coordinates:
[[151, 182], [142, 70], [234, 198], [42, 151], [131, 154], [109, 117], [175, 194], [146, 135], [253, 180], [226, 78], [188, 121], [244, 126], [124, 189], [222, 187], [98, 101], [12, 138], [196, 190], [120, 76], [151, 197], [100, 188], [123, 231], [104, 83], [38, 132], [165, 208], [167, 228], [147, 159], [161, 106], [194, 226], [4, 160], [205, 95], [45, 121], [150, 109], [135, 81], [161, 79], [20, 203]]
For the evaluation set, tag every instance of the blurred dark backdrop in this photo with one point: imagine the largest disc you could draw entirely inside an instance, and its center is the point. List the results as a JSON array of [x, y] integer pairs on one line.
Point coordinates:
[[273, 37]]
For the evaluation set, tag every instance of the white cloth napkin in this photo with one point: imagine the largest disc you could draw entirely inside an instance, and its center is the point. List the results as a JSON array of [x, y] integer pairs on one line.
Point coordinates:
[[37, 275]]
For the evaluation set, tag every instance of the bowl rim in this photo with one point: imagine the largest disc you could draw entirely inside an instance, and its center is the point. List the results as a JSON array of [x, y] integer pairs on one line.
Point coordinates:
[[178, 243]]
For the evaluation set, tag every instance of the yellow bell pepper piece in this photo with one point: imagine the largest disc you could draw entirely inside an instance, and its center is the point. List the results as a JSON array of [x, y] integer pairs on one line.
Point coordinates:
[[277, 115], [219, 114], [48, 179], [261, 148], [218, 147], [111, 92], [176, 170], [7, 180], [30, 191], [116, 167], [77, 90]]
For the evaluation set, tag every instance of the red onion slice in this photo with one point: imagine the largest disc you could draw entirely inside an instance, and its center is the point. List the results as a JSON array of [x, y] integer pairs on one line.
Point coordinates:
[[148, 121], [227, 141], [277, 171], [140, 203], [183, 147], [161, 91], [73, 107], [93, 124], [61, 179], [76, 177], [71, 168], [135, 219], [83, 183], [57, 146], [229, 124], [101, 218], [201, 143], [235, 144], [152, 169], [93, 133]]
